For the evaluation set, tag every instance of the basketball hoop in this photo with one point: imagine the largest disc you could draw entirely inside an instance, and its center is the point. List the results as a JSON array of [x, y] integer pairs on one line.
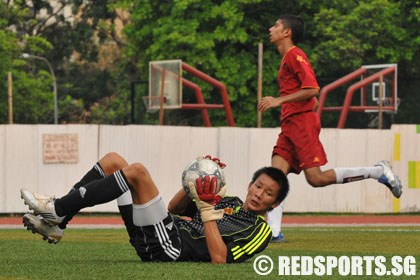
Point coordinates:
[[152, 103], [387, 102]]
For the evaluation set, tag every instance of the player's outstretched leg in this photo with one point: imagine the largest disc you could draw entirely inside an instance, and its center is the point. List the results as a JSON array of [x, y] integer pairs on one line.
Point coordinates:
[[95, 173], [37, 225], [41, 205], [94, 188], [96, 192], [389, 179]]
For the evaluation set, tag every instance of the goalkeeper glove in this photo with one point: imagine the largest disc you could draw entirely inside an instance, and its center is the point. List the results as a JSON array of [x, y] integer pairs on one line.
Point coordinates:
[[206, 198]]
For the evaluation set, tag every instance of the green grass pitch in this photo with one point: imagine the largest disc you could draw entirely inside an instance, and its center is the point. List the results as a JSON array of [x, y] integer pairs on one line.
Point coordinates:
[[107, 254]]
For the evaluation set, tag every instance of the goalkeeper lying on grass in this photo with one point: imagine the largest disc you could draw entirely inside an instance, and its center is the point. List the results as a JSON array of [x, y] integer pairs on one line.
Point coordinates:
[[209, 228]]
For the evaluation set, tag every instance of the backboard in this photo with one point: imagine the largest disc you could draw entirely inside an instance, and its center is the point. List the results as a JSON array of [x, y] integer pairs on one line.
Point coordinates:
[[370, 93], [165, 81]]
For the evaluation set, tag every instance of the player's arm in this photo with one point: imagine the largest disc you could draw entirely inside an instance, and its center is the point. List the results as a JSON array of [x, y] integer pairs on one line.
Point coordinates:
[[179, 203], [316, 105], [271, 102], [205, 196], [309, 85], [217, 248]]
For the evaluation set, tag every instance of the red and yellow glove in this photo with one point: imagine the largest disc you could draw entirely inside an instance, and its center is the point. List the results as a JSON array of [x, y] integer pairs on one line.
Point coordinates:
[[206, 198]]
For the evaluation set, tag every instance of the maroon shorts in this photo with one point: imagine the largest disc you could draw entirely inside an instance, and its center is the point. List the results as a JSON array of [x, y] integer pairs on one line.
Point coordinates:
[[298, 142]]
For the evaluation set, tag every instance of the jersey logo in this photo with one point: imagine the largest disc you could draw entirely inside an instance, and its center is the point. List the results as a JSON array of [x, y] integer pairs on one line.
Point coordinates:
[[316, 159], [300, 59], [170, 225], [230, 211]]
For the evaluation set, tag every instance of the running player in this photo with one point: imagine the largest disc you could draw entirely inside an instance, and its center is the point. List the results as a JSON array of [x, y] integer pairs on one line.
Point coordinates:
[[213, 228], [298, 147]]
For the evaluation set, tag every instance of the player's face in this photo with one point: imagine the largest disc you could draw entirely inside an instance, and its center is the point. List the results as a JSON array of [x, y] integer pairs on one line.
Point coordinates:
[[277, 32], [261, 195]]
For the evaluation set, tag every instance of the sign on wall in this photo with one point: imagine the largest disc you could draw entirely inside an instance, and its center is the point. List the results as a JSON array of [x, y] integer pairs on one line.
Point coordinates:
[[60, 148]]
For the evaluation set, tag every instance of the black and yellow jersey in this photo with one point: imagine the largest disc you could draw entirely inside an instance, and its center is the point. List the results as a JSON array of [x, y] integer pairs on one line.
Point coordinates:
[[244, 233]]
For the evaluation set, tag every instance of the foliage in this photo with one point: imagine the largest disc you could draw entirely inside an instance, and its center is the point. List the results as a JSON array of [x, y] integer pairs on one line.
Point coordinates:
[[353, 34], [95, 61], [71, 110], [32, 92], [71, 36], [220, 38], [347, 35], [212, 36]]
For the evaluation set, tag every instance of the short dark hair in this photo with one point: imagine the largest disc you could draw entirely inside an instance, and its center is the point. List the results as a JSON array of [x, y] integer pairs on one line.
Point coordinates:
[[295, 23], [278, 176]]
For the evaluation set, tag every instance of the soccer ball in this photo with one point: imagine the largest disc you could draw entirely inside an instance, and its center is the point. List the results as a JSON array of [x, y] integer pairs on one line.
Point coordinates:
[[200, 168]]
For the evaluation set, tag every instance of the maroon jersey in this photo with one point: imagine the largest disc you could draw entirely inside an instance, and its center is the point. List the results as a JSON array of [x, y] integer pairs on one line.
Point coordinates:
[[296, 73]]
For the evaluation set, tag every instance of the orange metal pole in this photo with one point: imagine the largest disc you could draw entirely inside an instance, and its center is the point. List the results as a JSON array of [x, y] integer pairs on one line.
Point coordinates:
[[216, 83], [352, 89]]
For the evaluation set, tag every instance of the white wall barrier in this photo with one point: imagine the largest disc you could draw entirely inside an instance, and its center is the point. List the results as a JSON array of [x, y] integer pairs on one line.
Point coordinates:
[[165, 150]]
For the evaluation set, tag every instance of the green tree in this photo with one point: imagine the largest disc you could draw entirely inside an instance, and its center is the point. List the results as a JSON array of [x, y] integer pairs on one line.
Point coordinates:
[[95, 64], [32, 91], [221, 37], [216, 37], [83, 36], [344, 35]]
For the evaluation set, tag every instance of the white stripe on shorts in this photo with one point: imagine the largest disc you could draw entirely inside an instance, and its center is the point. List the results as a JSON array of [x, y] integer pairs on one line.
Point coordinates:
[[165, 242]]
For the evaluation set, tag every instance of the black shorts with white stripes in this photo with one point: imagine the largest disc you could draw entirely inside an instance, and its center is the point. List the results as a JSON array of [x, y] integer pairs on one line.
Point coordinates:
[[159, 242]]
